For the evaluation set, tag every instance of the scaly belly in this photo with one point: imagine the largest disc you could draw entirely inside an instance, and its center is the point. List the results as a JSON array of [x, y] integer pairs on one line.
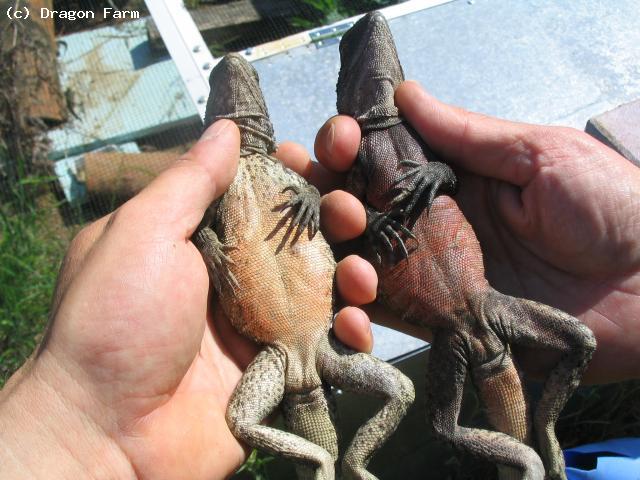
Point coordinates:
[[284, 293], [444, 269]]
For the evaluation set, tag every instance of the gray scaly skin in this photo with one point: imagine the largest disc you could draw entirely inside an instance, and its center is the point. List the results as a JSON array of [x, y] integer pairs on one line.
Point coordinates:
[[437, 279], [273, 273]]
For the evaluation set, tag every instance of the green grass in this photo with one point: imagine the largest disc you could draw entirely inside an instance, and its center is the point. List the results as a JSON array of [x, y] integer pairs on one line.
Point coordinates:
[[325, 12], [31, 250], [255, 467]]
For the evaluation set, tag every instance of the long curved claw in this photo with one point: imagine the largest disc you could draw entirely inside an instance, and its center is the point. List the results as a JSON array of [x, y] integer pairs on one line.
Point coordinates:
[[409, 163], [214, 253], [306, 201], [425, 181], [417, 195], [393, 234], [407, 174], [382, 231], [308, 220]]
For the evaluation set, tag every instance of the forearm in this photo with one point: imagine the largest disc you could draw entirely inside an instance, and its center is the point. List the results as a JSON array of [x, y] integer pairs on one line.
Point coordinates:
[[44, 434]]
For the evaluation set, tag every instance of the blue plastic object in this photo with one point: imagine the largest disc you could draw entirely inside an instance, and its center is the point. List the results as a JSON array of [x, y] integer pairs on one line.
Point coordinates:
[[616, 459]]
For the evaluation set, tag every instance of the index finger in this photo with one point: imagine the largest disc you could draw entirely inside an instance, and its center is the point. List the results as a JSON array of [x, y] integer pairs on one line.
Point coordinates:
[[295, 156], [481, 144], [337, 143]]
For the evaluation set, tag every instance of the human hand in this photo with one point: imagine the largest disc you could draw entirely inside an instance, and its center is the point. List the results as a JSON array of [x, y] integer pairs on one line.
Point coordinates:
[[555, 211], [133, 377]]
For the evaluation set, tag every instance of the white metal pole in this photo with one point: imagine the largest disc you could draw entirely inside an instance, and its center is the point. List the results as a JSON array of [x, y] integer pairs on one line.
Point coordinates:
[[186, 47]]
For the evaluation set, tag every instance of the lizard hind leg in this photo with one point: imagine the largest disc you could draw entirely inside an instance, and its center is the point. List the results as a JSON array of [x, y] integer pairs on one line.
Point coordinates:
[[535, 325], [258, 394], [364, 374], [446, 374], [500, 388]]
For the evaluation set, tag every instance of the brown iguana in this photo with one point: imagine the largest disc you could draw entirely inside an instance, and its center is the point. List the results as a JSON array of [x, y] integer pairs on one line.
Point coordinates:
[[439, 283], [273, 272]]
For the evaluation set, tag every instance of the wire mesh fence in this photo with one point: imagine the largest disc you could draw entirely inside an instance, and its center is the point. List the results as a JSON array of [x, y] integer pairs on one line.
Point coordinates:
[[92, 109], [122, 109]]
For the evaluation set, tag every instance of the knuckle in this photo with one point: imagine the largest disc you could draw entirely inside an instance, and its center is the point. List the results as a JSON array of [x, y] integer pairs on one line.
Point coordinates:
[[85, 238]]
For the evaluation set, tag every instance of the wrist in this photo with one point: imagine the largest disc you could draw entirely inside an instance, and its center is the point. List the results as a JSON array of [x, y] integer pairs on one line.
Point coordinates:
[[45, 432]]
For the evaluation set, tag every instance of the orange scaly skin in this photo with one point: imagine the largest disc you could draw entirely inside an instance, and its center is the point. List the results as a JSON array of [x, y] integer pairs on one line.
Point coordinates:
[[436, 279], [273, 273]]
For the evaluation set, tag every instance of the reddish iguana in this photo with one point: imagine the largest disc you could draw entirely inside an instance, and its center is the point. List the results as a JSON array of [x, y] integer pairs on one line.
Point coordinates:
[[440, 283], [274, 280]]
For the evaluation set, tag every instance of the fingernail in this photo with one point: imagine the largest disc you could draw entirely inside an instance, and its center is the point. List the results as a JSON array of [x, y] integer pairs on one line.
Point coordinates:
[[370, 332], [215, 130], [330, 138], [364, 319]]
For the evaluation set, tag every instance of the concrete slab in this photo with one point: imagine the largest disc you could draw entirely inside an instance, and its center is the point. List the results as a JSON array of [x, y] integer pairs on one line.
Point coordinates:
[[620, 129]]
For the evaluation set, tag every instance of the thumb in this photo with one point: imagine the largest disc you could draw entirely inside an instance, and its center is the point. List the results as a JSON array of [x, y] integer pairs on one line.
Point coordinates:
[[177, 199], [478, 143]]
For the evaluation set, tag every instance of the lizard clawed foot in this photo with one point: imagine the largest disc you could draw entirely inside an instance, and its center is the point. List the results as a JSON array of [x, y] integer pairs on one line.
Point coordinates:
[[382, 229], [215, 256], [425, 181], [306, 200]]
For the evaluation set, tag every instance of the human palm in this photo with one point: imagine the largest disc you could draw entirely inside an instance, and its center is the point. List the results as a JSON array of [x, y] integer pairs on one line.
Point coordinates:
[[138, 363], [157, 360], [557, 215], [566, 234]]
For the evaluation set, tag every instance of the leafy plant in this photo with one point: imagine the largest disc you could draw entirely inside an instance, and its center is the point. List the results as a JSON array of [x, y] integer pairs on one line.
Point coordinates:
[[255, 466], [325, 12]]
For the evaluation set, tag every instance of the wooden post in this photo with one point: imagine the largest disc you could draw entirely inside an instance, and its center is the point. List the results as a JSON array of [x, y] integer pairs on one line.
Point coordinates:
[[121, 175], [31, 44]]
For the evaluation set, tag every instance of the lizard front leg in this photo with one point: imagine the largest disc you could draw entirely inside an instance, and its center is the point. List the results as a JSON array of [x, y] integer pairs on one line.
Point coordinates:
[[364, 374], [446, 373], [382, 229], [381, 233], [259, 392], [305, 202], [214, 254], [419, 185]]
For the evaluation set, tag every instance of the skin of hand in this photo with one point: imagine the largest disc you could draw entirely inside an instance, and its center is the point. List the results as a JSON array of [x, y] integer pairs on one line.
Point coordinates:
[[136, 368], [556, 212]]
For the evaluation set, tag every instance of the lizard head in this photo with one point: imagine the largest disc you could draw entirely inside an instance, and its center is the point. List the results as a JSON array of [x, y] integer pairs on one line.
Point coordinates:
[[236, 95], [369, 73]]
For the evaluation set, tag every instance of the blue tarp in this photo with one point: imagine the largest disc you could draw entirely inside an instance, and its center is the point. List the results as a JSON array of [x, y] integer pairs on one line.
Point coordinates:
[[616, 459]]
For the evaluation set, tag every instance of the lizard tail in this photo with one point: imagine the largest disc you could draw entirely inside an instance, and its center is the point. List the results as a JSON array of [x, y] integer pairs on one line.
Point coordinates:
[[311, 416]]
